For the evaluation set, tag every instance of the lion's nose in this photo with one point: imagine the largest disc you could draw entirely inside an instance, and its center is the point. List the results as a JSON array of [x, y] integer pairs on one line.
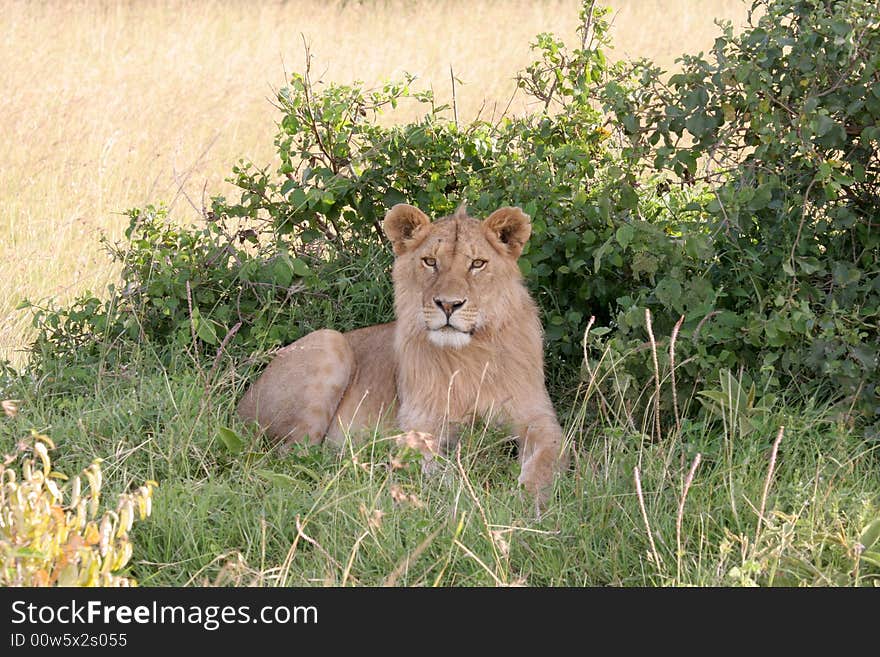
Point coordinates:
[[449, 306]]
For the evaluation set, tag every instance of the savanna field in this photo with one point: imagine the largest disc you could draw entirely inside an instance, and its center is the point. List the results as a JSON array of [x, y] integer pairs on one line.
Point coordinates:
[[187, 186]]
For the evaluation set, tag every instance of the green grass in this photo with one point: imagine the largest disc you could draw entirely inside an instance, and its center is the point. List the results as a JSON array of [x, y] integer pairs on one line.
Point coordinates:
[[367, 515]]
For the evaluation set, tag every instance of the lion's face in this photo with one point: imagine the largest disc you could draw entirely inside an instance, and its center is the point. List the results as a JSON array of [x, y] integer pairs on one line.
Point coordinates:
[[458, 276]]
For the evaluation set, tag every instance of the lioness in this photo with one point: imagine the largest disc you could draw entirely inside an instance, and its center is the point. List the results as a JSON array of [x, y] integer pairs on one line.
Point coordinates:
[[467, 340]]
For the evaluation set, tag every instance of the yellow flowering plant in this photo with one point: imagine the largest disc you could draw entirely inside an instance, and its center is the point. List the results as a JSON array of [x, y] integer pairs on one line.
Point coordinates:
[[53, 533]]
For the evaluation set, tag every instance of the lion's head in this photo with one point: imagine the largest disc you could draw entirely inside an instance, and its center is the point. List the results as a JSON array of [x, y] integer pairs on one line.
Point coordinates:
[[456, 278]]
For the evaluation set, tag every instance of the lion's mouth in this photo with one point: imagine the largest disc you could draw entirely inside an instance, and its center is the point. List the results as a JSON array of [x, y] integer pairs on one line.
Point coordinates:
[[449, 328], [450, 336]]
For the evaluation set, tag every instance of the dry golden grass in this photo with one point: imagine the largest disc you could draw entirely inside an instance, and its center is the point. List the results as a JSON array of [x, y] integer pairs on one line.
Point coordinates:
[[109, 105]]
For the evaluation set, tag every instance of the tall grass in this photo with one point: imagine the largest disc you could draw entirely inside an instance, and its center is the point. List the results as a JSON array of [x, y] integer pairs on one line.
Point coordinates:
[[705, 504]]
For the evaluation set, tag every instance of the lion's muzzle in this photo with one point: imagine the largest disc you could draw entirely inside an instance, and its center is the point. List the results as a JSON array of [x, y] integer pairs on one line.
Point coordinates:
[[450, 321], [449, 306]]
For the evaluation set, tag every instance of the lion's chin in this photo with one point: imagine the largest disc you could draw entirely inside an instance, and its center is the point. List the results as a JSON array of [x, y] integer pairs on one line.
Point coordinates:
[[448, 337]]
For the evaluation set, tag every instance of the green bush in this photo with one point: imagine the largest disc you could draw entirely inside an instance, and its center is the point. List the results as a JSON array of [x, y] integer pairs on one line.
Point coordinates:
[[781, 123], [740, 193], [204, 289]]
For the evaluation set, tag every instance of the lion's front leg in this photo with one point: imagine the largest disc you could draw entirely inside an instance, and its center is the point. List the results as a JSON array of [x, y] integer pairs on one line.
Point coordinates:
[[542, 454]]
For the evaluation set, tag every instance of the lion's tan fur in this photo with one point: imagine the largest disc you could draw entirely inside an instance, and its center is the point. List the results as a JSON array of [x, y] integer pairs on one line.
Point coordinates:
[[467, 342]]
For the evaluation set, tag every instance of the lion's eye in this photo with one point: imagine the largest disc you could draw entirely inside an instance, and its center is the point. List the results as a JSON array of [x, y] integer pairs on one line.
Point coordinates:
[[429, 262], [478, 264]]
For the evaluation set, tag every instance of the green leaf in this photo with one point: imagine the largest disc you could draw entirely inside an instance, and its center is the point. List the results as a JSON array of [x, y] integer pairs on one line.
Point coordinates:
[[393, 197], [625, 235], [843, 273], [231, 440], [698, 247], [824, 124], [629, 199], [870, 534], [280, 479], [872, 558], [762, 197], [281, 270], [841, 28], [206, 332], [699, 124], [866, 355], [599, 253], [668, 292], [810, 265], [604, 207], [717, 396], [299, 199], [688, 160], [300, 268]]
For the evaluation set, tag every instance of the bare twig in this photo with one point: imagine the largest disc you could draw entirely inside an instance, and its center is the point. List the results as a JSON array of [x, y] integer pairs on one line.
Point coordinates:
[[454, 103], [684, 493], [672, 372], [506, 109], [656, 374], [473, 556], [310, 112], [592, 385], [767, 483], [308, 539], [401, 567], [473, 494], [584, 347], [284, 571], [696, 333], [804, 206], [219, 557], [656, 555], [223, 344], [587, 26], [192, 323], [354, 551], [182, 183]]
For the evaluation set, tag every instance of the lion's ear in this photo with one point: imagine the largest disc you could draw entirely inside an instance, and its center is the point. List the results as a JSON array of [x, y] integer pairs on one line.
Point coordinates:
[[406, 227], [508, 229]]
